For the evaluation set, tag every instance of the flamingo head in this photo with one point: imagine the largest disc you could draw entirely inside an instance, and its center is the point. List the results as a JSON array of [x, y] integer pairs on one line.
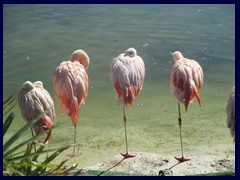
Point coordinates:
[[131, 52], [80, 56], [27, 85], [177, 55]]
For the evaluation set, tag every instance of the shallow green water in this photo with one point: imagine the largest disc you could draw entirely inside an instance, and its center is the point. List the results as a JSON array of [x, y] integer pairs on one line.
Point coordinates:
[[36, 38]]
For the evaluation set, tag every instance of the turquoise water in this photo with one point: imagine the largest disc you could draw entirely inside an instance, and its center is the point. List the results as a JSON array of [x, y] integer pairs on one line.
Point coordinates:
[[36, 38]]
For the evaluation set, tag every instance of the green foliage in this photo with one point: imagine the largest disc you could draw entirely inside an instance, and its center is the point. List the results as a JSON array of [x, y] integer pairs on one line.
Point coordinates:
[[17, 162]]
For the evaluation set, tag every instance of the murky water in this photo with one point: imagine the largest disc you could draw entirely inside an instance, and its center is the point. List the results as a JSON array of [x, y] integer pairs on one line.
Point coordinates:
[[36, 38]]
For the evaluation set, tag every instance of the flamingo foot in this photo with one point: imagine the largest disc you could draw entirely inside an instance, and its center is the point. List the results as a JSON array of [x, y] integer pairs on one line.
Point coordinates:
[[73, 154], [182, 158], [128, 154]]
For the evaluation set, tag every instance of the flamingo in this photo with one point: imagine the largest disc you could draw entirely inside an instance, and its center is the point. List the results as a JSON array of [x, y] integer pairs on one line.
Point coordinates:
[[230, 111], [127, 75], [33, 101], [185, 84], [70, 84]]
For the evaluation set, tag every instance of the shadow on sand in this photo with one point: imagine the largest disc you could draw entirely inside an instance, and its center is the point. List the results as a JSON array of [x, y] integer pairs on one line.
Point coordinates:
[[111, 167]]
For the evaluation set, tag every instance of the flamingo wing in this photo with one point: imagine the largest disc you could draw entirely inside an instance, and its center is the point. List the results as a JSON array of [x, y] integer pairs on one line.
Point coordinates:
[[181, 72], [70, 87], [28, 103], [127, 75], [46, 102], [186, 81], [197, 74], [33, 101]]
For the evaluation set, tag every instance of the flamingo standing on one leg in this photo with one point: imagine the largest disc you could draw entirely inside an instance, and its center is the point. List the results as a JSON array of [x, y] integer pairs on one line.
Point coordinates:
[[185, 84], [71, 86], [33, 101], [127, 75], [230, 111]]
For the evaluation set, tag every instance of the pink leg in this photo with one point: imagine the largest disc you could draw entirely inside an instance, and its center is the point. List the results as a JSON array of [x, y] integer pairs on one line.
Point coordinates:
[[73, 153], [128, 154], [181, 158]]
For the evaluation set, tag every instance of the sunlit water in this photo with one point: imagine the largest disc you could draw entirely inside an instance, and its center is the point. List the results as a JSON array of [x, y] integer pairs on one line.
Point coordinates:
[[36, 38]]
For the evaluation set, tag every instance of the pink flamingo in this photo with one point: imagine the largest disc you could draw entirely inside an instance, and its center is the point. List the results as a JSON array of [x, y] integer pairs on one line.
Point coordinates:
[[127, 75], [71, 86], [185, 84], [230, 111], [33, 101]]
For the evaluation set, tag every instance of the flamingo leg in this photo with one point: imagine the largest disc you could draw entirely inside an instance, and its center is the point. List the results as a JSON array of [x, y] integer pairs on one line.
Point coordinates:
[[128, 154], [180, 126], [74, 142], [181, 158], [33, 142], [125, 127], [74, 153]]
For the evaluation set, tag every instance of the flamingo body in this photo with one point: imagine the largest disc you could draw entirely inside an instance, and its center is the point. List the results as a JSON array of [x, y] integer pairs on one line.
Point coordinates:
[[186, 79], [185, 83], [33, 101], [230, 111], [71, 88], [70, 82], [127, 75]]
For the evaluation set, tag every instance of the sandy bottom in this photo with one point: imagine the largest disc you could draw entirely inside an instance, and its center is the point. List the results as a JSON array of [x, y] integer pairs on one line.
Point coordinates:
[[152, 164]]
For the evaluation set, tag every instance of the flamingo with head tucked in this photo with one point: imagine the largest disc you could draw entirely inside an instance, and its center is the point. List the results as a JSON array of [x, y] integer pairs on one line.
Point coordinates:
[[70, 83], [185, 84], [127, 75], [33, 101]]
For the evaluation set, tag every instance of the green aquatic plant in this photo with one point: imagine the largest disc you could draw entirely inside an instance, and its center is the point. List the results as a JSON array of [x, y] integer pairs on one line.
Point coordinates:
[[20, 161]]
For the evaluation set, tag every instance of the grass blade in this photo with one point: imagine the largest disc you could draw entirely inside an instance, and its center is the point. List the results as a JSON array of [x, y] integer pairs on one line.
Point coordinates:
[[20, 132], [7, 123], [40, 149], [24, 143], [11, 159], [8, 101], [54, 155], [7, 111]]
